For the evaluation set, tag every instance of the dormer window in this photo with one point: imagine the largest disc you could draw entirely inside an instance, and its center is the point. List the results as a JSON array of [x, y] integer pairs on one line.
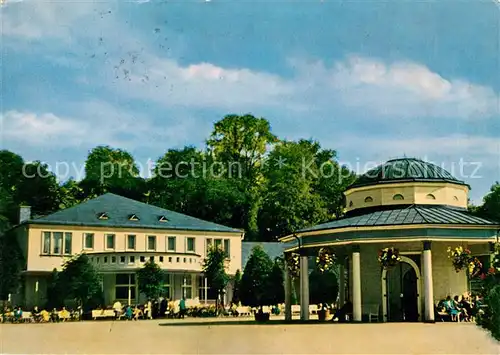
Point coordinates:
[[430, 197], [103, 216], [133, 217], [369, 199], [351, 204], [163, 219], [398, 197]]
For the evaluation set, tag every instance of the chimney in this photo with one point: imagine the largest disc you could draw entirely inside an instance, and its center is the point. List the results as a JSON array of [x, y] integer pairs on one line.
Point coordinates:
[[24, 214]]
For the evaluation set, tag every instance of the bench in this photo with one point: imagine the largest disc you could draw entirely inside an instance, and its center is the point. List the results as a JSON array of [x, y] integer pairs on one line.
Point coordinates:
[[103, 313]]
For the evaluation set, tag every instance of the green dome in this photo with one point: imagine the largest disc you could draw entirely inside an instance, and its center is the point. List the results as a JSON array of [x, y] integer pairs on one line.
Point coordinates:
[[405, 170]]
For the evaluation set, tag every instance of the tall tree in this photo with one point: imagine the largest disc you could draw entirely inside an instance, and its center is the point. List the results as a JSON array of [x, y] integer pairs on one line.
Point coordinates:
[[277, 283], [491, 204], [255, 291], [214, 269], [290, 200], [241, 142], [150, 279], [112, 170], [79, 279], [11, 263]]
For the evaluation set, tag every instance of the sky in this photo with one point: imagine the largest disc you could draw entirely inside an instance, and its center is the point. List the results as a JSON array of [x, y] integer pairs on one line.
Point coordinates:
[[374, 80]]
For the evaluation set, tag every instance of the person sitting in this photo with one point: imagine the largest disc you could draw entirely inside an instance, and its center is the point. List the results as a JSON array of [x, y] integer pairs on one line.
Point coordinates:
[[18, 315], [44, 316], [138, 313], [54, 316], [466, 305], [64, 314], [234, 310], [35, 313], [457, 300], [451, 309], [342, 315], [129, 312]]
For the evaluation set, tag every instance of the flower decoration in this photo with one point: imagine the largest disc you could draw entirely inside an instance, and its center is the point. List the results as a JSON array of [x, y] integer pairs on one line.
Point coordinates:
[[293, 264], [388, 257], [460, 257], [325, 259], [475, 267]]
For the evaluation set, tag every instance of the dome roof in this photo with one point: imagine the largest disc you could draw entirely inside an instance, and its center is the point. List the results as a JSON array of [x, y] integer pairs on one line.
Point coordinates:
[[405, 170]]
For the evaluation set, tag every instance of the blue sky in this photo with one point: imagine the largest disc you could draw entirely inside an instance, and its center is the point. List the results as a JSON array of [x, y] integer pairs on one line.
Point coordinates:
[[372, 79]]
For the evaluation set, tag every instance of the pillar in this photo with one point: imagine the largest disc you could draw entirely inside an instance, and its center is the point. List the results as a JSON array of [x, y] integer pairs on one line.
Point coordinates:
[[205, 290], [341, 283], [356, 284], [304, 287], [288, 293], [428, 283]]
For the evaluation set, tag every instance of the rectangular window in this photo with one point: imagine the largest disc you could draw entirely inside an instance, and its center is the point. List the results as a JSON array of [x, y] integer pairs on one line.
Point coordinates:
[[131, 259], [88, 240], [161, 259], [130, 241], [105, 259], [113, 259], [125, 286], [209, 244], [171, 244], [167, 286], [57, 238], [151, 242], [227, 248], [68, 241], [122, 259], [110, 241], [46, 243], [187, 287], [143, 259], [190, 245], [218, 243]]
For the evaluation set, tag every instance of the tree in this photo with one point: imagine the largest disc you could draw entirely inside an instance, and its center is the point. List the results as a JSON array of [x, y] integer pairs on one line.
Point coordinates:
[[71, 194], [55, 294], [277, 283], [323, 287], [11, 263], [79, 279], [236, 287], [112, 170], [255, 290], [491, 204], [242, 141], [214, 269], [150, 279], [290, 200]]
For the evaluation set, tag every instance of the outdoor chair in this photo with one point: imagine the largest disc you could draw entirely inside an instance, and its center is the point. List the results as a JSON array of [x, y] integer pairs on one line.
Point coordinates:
[[373, 313]]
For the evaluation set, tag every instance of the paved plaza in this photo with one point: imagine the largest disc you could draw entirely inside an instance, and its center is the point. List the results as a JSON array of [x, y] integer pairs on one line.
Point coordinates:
[[243, 337]]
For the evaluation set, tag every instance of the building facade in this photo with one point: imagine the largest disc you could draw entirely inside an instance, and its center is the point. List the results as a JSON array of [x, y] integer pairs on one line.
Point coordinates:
[[119, 235], [413, 206]]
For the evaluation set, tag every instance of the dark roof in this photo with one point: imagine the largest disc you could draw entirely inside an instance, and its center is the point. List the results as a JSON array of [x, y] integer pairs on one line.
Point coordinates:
[[413, 214], [272, 249], [119, 210], [405, 170]]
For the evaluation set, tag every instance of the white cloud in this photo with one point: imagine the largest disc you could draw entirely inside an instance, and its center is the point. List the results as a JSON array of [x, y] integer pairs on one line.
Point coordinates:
[[94, 123]]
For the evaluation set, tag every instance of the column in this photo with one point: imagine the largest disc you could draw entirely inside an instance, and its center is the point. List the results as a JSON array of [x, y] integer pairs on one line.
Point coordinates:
[[304, 287], [341, 283], [129, 288], [288, 293], [428, 283], [356, 284]]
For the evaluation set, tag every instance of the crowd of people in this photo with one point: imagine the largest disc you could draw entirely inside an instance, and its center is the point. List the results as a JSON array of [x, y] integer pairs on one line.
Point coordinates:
[[18, 315], [150, 310], [460, 308]]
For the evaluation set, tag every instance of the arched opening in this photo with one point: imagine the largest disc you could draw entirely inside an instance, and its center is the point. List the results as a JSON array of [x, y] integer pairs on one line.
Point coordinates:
[[401, 292], [398, 197], [351, 204], [369, 199], [430, 197]]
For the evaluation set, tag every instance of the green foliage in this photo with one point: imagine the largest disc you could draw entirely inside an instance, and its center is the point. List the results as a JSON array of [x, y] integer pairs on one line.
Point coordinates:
[[491, 204], [55, 293], [277, 283], [79, 280], [214, 269], [150, 279], [236, 287], [323, 287], [255, 283], [11, 263], [112, 170]]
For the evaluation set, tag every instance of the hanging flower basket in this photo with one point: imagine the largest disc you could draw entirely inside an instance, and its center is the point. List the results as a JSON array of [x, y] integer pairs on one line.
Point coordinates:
[[388, 257], [460, 258], [325, 259], [475, 267], [293, 264]]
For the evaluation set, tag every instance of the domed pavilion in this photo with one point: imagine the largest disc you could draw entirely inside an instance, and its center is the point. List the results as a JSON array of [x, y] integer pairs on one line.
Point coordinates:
[[415, 207]]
